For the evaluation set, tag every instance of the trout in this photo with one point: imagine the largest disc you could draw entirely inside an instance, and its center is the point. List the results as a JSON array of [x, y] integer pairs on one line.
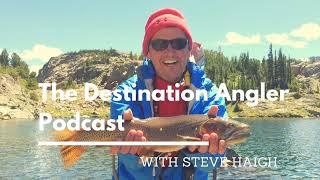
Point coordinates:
[[177, 128]]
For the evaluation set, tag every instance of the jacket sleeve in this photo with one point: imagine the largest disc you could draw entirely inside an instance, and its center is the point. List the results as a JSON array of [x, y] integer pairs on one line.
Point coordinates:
[[118, 103], [214, 100], [116, 109]]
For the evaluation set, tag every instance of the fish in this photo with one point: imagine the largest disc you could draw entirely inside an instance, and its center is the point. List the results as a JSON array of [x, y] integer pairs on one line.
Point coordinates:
[[176, 128]]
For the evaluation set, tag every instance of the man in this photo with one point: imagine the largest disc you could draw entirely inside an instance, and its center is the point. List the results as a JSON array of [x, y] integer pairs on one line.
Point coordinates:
[[167, 46]]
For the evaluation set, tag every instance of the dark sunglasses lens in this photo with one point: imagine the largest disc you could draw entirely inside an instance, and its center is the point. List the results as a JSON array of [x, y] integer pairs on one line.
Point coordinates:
[[159, 44], [179, 43]]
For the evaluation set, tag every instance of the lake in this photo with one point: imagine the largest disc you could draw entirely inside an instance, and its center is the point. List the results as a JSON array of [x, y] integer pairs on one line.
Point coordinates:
[[294, 142]]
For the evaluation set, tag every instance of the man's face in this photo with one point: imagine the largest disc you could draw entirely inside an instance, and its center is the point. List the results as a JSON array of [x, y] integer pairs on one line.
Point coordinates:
[[169, 63]]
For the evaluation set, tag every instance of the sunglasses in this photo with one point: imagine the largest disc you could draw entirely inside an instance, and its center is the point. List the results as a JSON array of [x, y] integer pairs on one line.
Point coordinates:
[[162, 44]]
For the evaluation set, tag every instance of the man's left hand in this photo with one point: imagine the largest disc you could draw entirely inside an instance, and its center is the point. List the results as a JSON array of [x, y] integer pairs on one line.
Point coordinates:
[[215, 146], [197, 51]]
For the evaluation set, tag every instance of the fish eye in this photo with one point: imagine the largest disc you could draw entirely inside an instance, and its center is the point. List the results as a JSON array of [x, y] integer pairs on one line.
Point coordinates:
[[231, 125]]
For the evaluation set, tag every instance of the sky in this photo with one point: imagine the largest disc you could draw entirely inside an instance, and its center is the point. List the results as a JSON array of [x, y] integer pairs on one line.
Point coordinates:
[[38, 30]]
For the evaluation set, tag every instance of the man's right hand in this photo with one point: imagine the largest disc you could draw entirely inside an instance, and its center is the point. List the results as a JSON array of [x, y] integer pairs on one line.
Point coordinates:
[[133, 135]]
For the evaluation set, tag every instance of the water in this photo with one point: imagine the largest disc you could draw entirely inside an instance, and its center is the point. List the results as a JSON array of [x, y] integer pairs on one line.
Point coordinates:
[[21, 157], [295, 143]]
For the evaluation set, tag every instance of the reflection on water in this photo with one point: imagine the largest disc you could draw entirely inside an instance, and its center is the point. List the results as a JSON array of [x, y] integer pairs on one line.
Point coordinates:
[[294, 142]]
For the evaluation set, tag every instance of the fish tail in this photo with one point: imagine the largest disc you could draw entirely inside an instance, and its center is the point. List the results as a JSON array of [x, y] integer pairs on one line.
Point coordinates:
[[69, 154]]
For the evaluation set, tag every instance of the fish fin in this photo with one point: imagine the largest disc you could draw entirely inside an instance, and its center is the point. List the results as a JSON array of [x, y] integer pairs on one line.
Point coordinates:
[[188, 138], [65, 135], [69, 154]]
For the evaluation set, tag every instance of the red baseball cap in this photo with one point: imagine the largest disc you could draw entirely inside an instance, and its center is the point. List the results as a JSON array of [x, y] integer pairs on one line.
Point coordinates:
[[166, 17]]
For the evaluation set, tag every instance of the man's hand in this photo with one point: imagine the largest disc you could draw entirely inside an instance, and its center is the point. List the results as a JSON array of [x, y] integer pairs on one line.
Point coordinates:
[[197, 51], [215, 146], [132, 135]]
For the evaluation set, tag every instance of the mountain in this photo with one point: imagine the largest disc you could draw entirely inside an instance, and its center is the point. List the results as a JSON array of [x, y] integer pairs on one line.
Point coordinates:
[[105, 68]]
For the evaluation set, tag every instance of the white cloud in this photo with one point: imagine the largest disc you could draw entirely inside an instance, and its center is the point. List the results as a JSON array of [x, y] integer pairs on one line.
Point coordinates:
[[40, 51], [283, 39], [236, 38], [35, 68], [308, 31]]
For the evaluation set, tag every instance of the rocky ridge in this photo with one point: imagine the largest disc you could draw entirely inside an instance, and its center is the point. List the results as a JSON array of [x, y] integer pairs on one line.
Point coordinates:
[[104, 68], [15, 101]]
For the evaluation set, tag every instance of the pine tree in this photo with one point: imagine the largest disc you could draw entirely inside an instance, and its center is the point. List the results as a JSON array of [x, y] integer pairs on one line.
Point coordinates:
[[276, 69], [264, 70], [245, 73], [289, 75], [4, 58], [15, 60], [282, 70], [270, 72], [131, 55], [283, 73], [23, 70], [33, 75]]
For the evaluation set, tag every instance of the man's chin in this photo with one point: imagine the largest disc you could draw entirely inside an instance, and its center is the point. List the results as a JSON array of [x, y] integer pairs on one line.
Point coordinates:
[[171, 76], [172, 79]]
